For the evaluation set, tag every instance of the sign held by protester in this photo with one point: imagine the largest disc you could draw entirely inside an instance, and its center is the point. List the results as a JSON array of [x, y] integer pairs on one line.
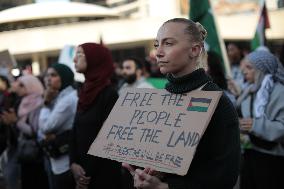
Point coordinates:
[[155, 128], [6, 59], [7, 62]]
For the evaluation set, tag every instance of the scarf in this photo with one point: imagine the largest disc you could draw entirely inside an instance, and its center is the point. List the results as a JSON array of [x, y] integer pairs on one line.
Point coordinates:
[[97, 76], [188, 82], [266, 65], [262, 95]]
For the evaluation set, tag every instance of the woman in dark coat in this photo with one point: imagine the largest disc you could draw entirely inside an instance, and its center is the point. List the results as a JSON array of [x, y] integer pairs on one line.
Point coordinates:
[[96, 99], [180, 53]]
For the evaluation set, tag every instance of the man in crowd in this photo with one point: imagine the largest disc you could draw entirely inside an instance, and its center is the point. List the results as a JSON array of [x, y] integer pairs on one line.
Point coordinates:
[[132, 72]]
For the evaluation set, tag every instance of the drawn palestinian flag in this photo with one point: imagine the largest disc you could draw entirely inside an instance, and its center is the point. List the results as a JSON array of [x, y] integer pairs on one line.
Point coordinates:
[[199, 104]]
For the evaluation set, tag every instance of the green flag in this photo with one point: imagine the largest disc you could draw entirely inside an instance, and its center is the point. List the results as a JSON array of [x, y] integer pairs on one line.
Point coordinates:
[[263, 23], [200, 11]]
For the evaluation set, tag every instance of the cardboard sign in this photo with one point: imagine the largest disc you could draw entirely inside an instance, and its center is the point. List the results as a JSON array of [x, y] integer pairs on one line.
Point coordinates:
[[6, 59], [7, 62], [155, 128]]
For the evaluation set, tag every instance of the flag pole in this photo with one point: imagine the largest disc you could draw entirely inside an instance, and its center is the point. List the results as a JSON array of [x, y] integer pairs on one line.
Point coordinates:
[[101, 40], [266, 24], [259, 37], [222, 45]]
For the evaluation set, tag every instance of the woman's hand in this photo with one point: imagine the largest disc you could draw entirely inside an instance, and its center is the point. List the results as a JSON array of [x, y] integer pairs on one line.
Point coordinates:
[[9, 117], [49, 95], [81, 180], [146, 178], [146, 181], [246, 124], [49, 137]]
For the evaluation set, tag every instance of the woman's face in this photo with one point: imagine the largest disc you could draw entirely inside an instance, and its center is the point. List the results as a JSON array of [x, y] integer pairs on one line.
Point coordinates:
[[3, 85], [175, 52], [80, 60], [248, 71], [52, 79]]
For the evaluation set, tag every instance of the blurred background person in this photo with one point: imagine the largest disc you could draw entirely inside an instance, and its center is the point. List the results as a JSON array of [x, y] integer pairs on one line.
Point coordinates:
[[56, 118], [117, 78], [9, 132], [96, 99], [31, 91], [152, 73], [235, 56], [262, 119], [153, 66], [6, 101], [236, 82], [217, 73], [132, 72]]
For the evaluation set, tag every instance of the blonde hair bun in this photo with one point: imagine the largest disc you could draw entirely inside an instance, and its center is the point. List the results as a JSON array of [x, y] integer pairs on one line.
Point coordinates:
[[202, 31]]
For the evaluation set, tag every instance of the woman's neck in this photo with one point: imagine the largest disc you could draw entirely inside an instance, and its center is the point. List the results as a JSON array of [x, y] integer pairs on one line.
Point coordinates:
[[186, 71], [187, 83]]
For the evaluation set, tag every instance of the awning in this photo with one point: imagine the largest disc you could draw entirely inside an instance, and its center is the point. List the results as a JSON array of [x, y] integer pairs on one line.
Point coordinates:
[[49, 10]]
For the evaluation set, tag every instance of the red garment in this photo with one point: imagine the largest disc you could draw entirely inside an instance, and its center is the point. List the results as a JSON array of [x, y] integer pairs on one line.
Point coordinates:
[[97, 76]]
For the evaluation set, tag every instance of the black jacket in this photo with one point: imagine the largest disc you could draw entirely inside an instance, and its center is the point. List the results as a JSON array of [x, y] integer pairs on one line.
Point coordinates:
[[87, 124], [217, 159]]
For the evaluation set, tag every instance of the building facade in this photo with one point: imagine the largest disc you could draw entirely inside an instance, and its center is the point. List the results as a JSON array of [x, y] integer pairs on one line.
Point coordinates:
[[127, 27]]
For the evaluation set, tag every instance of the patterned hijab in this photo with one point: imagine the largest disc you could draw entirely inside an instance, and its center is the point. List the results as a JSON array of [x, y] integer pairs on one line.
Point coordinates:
[[97, 76], [267, 65], [264, 61]]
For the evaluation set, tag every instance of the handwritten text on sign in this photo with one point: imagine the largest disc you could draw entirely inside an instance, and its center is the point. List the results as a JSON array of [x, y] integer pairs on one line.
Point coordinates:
[[150, 127]]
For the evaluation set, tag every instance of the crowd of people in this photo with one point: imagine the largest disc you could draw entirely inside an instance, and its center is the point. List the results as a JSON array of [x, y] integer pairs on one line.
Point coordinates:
[[48, 124]]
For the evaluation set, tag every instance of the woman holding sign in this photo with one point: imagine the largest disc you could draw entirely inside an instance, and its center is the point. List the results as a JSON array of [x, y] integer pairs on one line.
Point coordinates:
[[96, 99], [180, 55]]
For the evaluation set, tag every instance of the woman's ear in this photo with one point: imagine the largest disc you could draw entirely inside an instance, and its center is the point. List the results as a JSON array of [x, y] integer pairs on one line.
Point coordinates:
[[196, 50]]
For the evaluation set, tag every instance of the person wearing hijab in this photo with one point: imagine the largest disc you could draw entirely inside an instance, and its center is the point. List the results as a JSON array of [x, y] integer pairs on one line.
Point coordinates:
[[96, 99], [56, 117], [261, 106], [31, 90], [9, 164]]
